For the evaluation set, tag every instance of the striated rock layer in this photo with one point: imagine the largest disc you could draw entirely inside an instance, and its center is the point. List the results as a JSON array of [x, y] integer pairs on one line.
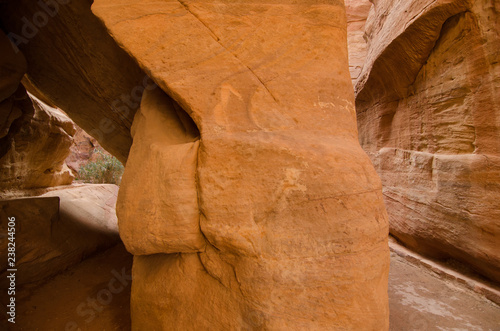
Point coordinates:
[[428, 108], [357, 12], [247, 200]]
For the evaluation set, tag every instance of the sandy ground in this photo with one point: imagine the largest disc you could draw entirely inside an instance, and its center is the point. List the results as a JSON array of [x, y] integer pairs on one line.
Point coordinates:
[[419, 300], [95, 294]]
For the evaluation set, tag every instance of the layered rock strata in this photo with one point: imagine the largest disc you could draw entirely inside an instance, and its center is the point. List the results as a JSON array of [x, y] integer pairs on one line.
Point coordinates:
[[37, 146], [74, 64], [357, 12], [429, 117]]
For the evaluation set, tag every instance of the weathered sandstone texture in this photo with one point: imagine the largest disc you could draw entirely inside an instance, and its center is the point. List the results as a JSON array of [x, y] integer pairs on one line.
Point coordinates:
[[82, 150], [247, 200], [160, 186], [59, 229], [357, 12], [34, 138], [75, 65], [36, 146], [428, 108]]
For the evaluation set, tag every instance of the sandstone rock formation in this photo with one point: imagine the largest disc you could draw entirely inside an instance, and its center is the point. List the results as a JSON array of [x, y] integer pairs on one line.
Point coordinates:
[[59, 229], [357, 12], [12, 69], [84, 150], [428, 105], [273, 210], [160, 185], [34, 138], [37, 145], [81, 152], [81, 71]]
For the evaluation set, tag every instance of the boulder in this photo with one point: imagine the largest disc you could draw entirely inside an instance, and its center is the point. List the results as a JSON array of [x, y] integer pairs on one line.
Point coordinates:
[[428, 109], [59, 229], [159, 186], [289, 206]]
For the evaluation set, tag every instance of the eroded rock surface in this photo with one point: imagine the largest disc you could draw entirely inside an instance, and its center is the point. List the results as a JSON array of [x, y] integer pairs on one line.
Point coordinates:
[[159, 186], [12, 69], [290, 207], [93, 295], [429, 117], [36, 146], [34, 138], [357, 12], [59, 229], [82, 150], [81, 71]]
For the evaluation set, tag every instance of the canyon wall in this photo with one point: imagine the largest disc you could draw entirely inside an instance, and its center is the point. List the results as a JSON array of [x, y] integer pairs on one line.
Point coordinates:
[[428, 115], [75, 65], [34, 138], [357, 12], [247, 200]]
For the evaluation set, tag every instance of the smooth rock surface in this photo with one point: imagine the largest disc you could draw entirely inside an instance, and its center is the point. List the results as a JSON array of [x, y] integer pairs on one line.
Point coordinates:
[[289, 205], [422, 301], [428, 105], [91, 296], [59, 229]]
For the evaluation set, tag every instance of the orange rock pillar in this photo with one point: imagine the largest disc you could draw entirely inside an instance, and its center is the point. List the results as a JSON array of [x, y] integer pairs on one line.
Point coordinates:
[[247, 200]]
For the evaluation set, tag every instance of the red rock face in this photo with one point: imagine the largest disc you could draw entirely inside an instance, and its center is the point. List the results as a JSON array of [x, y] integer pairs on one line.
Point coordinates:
[[269, 215], [81, 150], [428, 108], [59, 228], [357, 12], [38, 144]]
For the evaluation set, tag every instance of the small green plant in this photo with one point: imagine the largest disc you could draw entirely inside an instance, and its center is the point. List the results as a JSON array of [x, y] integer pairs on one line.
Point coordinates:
[[105, 169]]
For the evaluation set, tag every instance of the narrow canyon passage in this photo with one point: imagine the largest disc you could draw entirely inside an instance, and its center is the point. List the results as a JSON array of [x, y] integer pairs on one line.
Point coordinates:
[[250, 165]]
